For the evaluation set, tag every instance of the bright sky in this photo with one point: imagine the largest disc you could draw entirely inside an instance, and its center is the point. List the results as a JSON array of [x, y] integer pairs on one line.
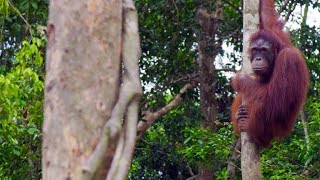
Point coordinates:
[[312, 19]]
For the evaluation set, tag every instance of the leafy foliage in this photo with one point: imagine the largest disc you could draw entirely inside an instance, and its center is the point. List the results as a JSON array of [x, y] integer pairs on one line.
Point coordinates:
[[21, 114], [20, 19], [204, 147], [294, 158], [200, 144]]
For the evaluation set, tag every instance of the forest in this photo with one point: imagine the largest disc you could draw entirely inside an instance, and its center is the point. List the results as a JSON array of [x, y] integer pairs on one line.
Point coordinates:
[[190, 50]]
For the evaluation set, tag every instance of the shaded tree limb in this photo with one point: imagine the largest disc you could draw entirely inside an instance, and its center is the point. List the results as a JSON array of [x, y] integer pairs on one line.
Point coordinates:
[[190, 171], [291, 9], [193, 77], [193, 177]]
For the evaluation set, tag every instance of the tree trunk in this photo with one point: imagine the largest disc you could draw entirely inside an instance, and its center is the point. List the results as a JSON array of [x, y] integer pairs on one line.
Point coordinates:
[[250, 158], [208, 50], [87, 92], [234, 156]]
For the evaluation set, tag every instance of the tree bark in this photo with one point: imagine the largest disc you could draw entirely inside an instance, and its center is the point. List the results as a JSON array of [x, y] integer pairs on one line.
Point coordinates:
[[250, 159], [92, 89], [234, 156], [303, 115], [208, 50]]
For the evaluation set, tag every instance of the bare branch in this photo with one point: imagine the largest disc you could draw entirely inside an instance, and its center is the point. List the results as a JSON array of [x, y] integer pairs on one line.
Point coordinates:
[[305, 128], [284, 5], [150, 117], [186, 78], [290, 11], [190, 171], [193, 177], [236, 33], [20, 15]]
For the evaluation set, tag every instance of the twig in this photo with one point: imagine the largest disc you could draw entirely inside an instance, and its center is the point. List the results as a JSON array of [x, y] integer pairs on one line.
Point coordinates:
[[284, 5], [290, 11], [190, 171], [175, 5], [18, 12], [193, 177]]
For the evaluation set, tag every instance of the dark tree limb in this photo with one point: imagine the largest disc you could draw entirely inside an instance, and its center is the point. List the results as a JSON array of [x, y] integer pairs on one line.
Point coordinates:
[[291, 9]]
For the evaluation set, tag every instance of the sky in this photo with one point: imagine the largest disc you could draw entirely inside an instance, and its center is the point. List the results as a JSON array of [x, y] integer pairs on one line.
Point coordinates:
[[312, 19]]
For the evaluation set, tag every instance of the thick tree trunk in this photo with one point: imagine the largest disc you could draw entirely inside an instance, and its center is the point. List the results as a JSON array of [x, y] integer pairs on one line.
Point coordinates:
[[84, 125], [250, 157], [208, 50]]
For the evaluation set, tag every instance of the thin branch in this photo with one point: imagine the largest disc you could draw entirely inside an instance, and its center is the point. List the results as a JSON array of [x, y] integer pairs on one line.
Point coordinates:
[[18, 12], [150, 117], [186, 78], [190, 171], [193, 177], [284, 5], [290, 11], [234, 33], [305, 15], [177, 9], [306, 134]]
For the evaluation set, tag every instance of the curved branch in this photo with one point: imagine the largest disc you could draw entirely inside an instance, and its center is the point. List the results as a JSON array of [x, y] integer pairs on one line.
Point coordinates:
[[150, 117]]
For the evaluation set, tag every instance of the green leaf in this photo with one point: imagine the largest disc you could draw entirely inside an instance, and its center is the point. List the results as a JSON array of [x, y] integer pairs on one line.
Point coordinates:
[[33, 131], [34, 5], [9, 19], [187, 140]]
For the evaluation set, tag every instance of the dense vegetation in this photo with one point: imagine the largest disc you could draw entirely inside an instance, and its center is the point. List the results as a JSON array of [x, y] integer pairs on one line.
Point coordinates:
[[177, 144]]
